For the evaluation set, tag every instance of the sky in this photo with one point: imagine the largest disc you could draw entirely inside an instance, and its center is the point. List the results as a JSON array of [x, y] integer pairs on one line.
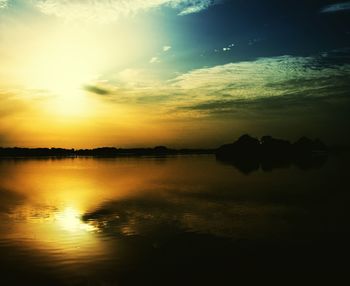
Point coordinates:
[[180, 73]]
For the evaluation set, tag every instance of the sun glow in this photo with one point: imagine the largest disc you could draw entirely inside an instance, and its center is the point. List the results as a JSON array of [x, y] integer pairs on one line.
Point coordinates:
[[49, 72], [62, 62], [69, 220], [64, 65]]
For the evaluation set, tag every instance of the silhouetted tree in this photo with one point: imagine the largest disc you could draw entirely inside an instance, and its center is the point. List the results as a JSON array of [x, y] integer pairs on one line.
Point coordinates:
[[248, 153], [245, 146]]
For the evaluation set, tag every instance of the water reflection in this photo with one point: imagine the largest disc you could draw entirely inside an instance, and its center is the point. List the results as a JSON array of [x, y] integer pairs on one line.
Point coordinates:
[[248, 165], [51, 230], [124, 221], [70, 220]]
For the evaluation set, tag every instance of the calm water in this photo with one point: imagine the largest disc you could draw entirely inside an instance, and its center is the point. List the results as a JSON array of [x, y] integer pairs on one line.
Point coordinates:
[[170, 221]]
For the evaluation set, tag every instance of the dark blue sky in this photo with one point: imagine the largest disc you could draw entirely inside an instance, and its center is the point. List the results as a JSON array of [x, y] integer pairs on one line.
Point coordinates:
[[262, 28]]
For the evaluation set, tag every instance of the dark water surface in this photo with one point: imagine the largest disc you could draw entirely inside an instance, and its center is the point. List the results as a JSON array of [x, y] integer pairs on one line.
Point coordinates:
[[171, 221]]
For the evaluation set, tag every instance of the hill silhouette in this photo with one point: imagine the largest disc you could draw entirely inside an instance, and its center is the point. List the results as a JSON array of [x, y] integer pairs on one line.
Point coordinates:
[[248, 154]]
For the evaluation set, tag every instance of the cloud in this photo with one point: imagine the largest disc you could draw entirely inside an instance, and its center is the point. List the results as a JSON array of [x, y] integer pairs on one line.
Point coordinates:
[[277, 82], [110, 10], [264, 76], [336, 7], [3, 3], [166, 48], [96, 89], [261, 87], [194, 6], [154, 60]]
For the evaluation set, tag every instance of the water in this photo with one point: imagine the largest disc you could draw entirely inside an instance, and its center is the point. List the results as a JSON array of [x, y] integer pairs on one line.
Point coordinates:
[[187, 220]]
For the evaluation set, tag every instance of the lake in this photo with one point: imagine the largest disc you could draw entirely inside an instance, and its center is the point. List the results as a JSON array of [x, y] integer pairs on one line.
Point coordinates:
[[186, 220]]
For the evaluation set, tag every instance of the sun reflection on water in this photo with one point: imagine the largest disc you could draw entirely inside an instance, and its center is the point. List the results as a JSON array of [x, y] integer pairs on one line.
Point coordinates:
[[59, 231], [69, 220]]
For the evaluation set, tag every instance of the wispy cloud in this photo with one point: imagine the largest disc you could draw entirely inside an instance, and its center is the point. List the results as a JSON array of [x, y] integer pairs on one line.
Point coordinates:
[[97, 90], [166, 48], [265, 84], [3, 3], [154, 60], [336, 7], [259, 73], [284, 80], [110, 10], [194, 6]]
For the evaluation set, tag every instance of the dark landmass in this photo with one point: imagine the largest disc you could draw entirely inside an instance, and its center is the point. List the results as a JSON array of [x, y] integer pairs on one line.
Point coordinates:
[[249, 154], [98, 152]]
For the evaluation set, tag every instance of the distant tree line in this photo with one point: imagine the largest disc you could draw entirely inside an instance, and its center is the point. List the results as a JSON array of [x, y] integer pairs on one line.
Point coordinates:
[[245, 147], [97, 152]]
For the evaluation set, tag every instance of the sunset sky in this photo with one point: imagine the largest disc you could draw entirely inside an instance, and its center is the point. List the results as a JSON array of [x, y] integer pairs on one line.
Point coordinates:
[[181, 73]]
